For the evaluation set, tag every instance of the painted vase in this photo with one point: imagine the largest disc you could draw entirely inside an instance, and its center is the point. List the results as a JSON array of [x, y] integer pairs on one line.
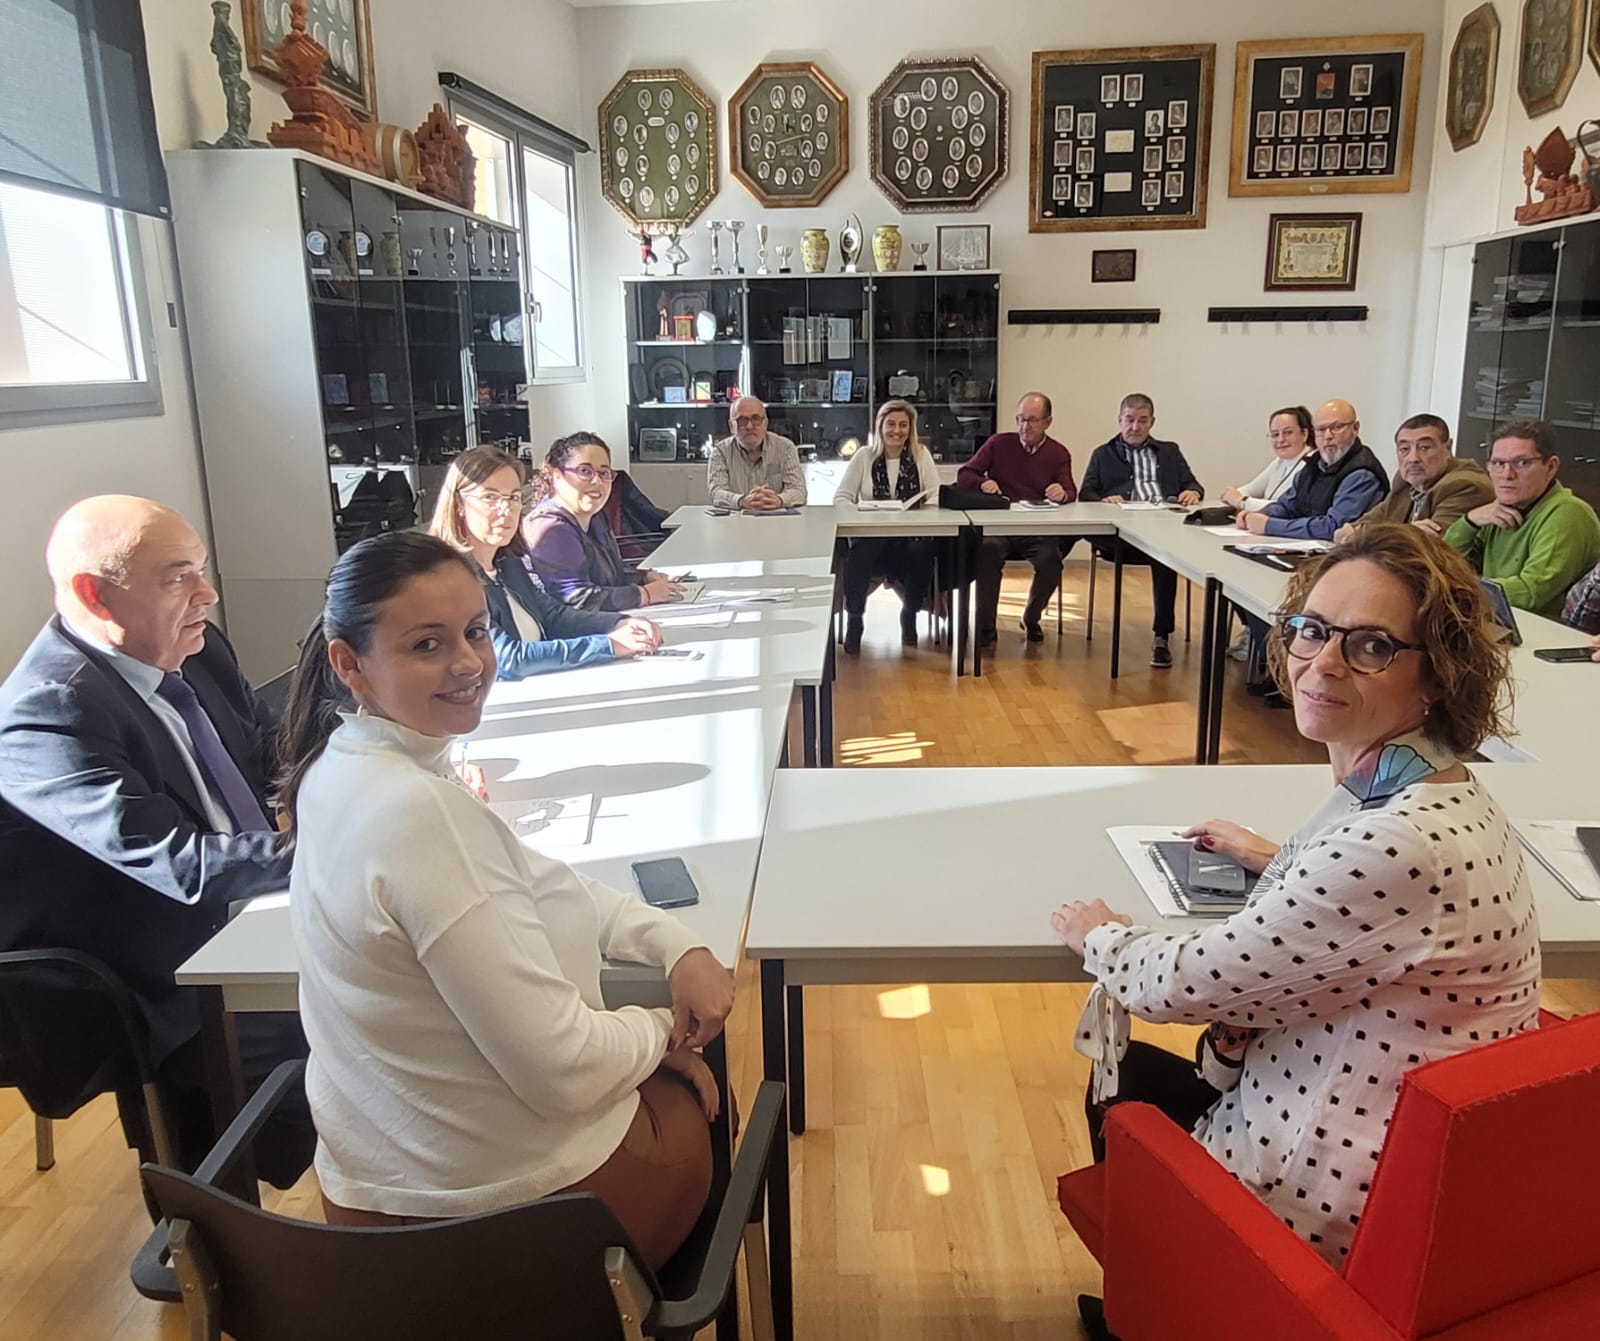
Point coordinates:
[[886, 247], [814, 250]]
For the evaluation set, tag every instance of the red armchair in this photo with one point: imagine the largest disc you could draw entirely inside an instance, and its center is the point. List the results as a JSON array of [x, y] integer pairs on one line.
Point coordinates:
[[1483, 1223]]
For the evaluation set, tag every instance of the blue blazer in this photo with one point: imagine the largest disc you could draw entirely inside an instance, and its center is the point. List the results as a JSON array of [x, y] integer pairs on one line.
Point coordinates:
[[105, 844], [572, 637]]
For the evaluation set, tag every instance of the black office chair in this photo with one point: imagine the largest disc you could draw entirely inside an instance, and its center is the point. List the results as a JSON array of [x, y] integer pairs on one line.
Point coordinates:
[[70, 1031], [558, 1267]]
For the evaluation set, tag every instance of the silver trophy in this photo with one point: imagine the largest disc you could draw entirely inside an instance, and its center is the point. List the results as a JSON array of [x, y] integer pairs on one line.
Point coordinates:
[[761, 237], [716, 237], [921, 249], [736, 226], [785, 251], [850, 243]]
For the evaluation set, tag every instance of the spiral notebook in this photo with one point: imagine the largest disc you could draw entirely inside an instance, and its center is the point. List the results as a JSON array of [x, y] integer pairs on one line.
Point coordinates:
[[1161, 858]]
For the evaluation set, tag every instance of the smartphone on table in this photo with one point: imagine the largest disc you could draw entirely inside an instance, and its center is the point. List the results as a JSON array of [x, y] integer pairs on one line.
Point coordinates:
[[666, 883], [1564, 653]]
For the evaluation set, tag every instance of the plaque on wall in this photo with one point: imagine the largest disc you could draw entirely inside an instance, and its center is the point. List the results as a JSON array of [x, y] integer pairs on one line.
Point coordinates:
[[789, 134], [1120, 138], [341, 26], [1473, 58], [658, 148], [937, 134], [1352, 99], [1551, 49]]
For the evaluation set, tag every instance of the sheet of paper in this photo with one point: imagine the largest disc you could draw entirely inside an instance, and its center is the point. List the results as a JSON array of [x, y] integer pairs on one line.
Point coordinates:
[[1118, 181], [1554, 843], [1119, 142], [1133, 505], [747, 595], [1229, 530], [1037, 507]]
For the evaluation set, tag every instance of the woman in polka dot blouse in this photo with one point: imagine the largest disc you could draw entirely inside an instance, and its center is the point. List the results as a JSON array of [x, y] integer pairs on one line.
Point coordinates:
[[1395, 927]]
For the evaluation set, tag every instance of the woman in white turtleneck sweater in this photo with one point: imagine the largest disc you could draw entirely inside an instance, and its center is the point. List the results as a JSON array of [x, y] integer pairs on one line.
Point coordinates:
[[462, 1058], [894, 464]]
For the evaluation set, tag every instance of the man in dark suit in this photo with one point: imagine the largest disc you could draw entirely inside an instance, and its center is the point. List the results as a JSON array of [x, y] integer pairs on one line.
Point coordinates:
[[1135, 467], [135, 763]]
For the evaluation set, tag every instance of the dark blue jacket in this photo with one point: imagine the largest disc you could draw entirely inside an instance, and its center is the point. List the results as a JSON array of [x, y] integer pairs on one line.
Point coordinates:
[[104, 843], [1110, 472], [573, 637]]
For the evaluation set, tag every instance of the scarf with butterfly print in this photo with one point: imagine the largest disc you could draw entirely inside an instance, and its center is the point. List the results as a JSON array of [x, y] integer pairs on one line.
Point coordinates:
[[909, 485]]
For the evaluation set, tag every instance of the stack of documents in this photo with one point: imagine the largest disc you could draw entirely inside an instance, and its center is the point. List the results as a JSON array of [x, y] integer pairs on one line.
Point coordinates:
[[1556, 846]]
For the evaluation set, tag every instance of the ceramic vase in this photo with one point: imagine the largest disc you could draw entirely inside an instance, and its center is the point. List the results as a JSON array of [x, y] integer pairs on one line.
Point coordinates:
[[814, 250], [886, 247]]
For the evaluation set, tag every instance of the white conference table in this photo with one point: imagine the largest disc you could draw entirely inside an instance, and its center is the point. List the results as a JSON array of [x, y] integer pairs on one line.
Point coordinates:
[[921, 875], [697, 539]]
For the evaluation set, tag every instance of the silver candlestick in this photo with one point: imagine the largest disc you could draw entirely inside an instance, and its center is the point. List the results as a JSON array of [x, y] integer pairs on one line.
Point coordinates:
[[736, 226], [716, 237], [761, 237]]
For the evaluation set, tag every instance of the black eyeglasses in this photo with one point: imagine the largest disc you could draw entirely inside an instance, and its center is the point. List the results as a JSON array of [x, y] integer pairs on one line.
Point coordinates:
[[1366, 651]]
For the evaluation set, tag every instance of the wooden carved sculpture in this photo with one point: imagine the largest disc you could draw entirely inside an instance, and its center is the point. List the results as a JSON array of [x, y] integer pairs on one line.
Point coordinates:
[[449, 170], [1548, 169], [321, 124]]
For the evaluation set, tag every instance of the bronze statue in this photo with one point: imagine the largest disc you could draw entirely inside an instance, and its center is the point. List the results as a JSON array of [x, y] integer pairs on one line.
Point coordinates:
[[235, 88]]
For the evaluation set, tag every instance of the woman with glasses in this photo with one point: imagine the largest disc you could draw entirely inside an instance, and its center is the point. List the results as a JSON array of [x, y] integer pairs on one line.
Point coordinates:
[[477, 514], [894, 464], [569, 541], [1395, 927]]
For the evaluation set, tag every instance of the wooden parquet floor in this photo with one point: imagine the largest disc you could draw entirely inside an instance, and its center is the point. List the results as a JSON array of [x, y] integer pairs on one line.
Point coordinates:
[[939, 1117]]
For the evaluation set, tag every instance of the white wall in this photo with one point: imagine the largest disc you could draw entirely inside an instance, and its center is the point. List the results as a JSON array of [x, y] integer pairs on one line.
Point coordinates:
[[522, 49], [1213, 386]]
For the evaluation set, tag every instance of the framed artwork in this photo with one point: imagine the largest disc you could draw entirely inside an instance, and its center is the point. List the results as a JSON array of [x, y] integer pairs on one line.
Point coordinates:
[[1312, 251], [1114, 267], [1142, 156], [1594, 36], [658, 148], [789, 134], [1550, 50], [342, 26], [1470, 93], [963, 246], [937, 134], [1346, 92]]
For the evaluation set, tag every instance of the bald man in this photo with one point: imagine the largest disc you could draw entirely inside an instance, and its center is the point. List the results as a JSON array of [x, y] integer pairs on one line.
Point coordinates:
[[754, 470], [1341, 481], [135, 763]]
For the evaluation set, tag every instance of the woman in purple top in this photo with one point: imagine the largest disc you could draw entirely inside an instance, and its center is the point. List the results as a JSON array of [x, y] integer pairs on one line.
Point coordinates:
[[571, 549]]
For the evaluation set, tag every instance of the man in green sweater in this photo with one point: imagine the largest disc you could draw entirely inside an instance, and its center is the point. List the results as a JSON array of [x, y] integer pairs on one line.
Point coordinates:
[[1432, 486], [1537, 538]]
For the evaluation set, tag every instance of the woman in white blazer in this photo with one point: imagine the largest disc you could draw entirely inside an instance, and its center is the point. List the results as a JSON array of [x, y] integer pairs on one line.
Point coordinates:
[[893, 465]]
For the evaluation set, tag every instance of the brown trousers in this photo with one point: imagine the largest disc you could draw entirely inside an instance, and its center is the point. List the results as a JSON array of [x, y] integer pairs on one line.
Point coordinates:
[[656, 1182]]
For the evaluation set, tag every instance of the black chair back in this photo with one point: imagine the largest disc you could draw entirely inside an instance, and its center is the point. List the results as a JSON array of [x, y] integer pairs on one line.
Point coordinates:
[[537, 1270], [274, 693]]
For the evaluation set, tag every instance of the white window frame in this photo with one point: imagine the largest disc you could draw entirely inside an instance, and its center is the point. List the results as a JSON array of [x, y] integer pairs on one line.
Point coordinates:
[[525, 138], [47, 403]]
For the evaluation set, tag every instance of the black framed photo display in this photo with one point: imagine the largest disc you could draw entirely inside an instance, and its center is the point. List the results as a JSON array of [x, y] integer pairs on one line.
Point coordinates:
[[1350, 101], [1120, 138]]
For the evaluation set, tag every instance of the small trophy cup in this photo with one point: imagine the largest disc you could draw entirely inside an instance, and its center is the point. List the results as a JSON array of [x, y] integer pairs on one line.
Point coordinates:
[[473, 267], [416, 260], [761, 237], [784, 253], [736, 226], [450, 245], [921, 249], [850, 244], [716, 238]]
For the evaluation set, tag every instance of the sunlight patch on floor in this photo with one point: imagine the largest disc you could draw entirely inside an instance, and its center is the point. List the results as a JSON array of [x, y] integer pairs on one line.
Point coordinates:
[[905, 1003], [901, 747]]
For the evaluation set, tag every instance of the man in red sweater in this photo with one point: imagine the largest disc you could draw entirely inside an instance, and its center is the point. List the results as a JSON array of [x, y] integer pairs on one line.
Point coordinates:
[[1026, 466]]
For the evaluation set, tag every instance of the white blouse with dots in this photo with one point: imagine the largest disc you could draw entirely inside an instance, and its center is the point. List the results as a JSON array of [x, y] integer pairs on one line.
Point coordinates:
[[1375, 941]]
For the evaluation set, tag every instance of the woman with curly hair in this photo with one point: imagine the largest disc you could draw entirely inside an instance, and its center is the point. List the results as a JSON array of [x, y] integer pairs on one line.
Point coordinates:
[[1397, 926]]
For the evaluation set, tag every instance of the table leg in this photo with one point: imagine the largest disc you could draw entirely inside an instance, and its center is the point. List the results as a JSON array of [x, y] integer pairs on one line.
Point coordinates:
[[808, 726], [825, 712], [973, 547], [219, 1049], [796, 1013], [1208, 635], [1219, 658], [962, 630], [1116, 606], [775, 1067]]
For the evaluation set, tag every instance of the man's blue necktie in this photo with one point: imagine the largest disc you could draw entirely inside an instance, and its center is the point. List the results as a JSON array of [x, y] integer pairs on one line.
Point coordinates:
[[217, 768]]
